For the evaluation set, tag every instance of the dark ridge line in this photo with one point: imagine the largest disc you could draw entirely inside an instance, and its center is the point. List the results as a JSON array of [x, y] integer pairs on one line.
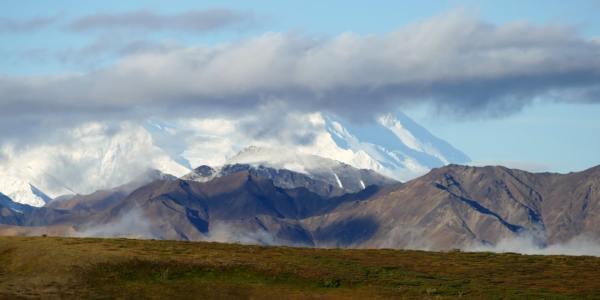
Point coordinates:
[[482, 209]]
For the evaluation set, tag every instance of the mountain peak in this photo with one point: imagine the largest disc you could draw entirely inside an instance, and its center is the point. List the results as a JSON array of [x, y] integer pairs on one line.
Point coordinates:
[[23, 192], [205, 170], [417, 138], [289, 169], [281, 158], [393, 145]]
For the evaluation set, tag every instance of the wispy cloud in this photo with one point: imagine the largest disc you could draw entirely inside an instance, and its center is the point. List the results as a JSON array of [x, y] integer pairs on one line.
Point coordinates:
[[8, 25], [107, 47], [579, 245], [223, 232], [133, 224], [146, 20]]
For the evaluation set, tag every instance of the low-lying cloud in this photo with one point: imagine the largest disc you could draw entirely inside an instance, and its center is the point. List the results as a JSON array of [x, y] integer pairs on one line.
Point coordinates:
[[223, 232], [133, 224], [579, 245]]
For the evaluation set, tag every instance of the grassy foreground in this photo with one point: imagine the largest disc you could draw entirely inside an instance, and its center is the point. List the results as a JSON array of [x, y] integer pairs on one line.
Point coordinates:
[[48, 267]]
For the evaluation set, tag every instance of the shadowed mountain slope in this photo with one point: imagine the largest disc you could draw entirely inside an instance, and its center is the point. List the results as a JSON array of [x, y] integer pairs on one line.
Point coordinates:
[[450, 207], [455, 206], [233, 206]]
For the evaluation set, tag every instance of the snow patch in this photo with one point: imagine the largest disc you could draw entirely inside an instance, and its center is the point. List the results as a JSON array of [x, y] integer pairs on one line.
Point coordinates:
[[337, 180]]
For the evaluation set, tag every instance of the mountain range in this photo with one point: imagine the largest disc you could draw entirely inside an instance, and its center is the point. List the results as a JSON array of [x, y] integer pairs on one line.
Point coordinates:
[[384, 184], [450, 207], [101, 157]]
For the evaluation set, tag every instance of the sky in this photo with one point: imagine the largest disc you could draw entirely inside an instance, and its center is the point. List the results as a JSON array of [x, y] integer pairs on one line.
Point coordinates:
[[507, 82]]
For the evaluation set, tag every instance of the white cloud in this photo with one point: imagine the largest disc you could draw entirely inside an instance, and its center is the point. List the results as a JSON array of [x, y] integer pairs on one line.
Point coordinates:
[[454, 61]]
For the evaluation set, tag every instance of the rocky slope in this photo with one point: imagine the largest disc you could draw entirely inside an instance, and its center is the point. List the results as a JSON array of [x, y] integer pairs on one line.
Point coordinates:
[[450, 207], [325, 177], [457, 206]]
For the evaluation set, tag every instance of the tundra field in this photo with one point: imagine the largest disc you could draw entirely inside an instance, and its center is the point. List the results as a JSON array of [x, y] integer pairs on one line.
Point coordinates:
[[52, 267]]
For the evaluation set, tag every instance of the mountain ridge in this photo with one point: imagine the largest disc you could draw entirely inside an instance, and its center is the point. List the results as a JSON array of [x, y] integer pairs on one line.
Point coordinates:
[[450, 207], [320, 175]]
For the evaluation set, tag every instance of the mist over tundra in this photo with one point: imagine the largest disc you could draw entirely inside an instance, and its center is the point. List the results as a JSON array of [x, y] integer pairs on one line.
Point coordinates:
[[577, 246]]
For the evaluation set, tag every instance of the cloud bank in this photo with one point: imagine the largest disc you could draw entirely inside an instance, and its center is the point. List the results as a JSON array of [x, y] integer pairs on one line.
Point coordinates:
[[454, 62]]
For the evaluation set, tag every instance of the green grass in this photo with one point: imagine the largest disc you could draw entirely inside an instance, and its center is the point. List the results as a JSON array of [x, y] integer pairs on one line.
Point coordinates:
[[48, 267]]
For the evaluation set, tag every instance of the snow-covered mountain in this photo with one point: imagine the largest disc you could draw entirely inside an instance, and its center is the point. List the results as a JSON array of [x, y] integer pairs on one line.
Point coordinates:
[[393, 145], [101, 156], [289, 169], [85, 159], [21, 191]]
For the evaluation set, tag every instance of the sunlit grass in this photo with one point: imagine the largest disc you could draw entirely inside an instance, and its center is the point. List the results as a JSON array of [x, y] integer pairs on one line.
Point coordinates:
[[113, 268]]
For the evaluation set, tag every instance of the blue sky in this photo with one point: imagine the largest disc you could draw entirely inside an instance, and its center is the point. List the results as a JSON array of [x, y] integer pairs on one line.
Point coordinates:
[[545, 135], [542, 137]]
